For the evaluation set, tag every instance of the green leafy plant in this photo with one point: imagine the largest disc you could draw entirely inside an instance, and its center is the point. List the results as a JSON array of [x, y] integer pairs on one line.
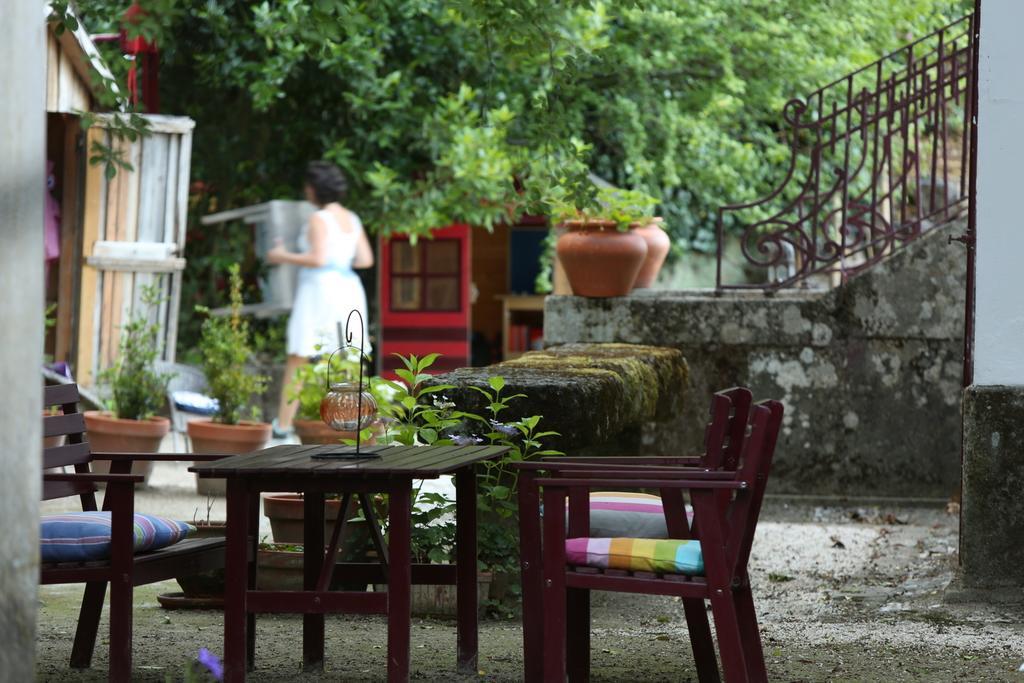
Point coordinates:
[[624, 207], [137, 390], [225, 348]]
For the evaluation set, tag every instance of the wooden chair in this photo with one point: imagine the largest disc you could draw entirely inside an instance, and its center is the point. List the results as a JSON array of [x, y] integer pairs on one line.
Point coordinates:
[[726, 506], [125, 569], [723, 440]]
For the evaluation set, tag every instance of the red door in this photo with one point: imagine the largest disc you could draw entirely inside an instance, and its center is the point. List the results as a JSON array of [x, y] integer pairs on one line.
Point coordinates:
[[424, 299]]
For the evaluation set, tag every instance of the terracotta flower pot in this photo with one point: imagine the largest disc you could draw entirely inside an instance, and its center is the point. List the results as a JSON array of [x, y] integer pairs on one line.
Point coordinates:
[[110, 434], [213, 437], [286, 514], [279, 568], [316, 432], [599, 260], [658, 244], [440, 601], [208, 584]]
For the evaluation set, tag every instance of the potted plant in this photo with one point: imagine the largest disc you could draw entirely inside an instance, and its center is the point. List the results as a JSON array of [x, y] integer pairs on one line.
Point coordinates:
[[225, 345], [600, 254], [205, 589], [136, 393]]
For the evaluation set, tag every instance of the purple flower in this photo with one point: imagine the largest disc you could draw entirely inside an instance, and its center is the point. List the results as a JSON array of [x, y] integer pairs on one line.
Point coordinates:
[[502, 428], [212, 663], [466, 440]]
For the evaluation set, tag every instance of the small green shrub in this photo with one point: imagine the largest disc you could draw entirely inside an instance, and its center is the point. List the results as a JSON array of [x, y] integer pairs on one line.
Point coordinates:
[[137, 390], [225, 345]]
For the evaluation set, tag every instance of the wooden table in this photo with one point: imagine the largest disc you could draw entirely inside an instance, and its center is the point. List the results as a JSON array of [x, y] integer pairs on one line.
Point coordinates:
[[392, 471]]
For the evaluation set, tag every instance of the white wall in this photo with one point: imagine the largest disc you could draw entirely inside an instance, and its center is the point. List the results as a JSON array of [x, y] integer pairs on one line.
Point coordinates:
[[22, 187], [999, 313]]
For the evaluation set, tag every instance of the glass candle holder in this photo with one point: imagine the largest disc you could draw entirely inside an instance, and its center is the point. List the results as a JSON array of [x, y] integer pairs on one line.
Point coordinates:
[[340, 408]]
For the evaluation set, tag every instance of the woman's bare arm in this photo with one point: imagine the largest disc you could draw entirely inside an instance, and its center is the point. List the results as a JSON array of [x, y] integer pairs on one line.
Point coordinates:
[[316, 257]]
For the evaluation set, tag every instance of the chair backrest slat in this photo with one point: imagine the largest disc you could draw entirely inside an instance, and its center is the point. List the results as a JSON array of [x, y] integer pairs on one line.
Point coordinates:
[[725, 433], [68, 454], [63, 425], [61, 394], [758, 451], [75, 450], [63, 489]]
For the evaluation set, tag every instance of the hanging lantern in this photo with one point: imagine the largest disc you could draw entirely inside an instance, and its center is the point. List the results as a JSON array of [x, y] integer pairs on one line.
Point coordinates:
[[347, 407]]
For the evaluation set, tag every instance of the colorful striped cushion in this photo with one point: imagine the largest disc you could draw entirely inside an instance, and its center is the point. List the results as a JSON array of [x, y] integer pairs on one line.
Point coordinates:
[[627, 514], [661, 556], [85, 536]]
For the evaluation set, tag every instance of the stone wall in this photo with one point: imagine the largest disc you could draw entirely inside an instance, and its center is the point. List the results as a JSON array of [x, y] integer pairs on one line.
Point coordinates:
[[870, 372]]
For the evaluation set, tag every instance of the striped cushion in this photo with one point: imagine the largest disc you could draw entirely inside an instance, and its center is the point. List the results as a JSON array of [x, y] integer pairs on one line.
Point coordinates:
[[661, 556], [85, 536], [627, 514]]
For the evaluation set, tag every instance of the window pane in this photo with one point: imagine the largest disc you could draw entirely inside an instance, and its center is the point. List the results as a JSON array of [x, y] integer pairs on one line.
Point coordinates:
[[443, 257], [405, 258], [443, 294], [405, 293]]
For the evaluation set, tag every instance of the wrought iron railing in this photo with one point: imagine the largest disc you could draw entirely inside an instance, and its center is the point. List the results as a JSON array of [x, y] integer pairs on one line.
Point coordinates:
[[879, 157]]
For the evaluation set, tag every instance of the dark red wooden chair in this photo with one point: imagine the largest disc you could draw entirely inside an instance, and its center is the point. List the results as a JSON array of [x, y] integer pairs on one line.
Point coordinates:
[[125, 569], [726, 504], [723, 440]]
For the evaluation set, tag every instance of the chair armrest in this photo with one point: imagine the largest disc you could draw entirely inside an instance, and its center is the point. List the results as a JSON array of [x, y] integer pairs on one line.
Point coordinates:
[[95, 478], [160, 457], [666, 483], [666, 460], [583, 469]]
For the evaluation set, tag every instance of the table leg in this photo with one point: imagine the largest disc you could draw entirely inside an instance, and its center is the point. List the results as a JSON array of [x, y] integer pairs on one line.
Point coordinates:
[[236, 565], [313, 557], [253, 548], [399, 579], [466, 579]]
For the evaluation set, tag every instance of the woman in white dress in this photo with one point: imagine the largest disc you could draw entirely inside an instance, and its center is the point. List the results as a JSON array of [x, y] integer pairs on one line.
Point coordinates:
[[328, 289]]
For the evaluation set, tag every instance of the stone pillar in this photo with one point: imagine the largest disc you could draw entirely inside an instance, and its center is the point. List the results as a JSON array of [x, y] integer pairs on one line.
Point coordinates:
[[993, 469], [22, 187]]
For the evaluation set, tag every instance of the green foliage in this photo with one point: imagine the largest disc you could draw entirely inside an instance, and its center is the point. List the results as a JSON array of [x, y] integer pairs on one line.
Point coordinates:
[[433, 107], [137, 390], [225, 348], [419, 413]]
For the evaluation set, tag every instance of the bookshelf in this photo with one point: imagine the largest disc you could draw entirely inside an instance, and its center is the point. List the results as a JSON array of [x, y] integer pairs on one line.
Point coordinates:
[[522, 326]]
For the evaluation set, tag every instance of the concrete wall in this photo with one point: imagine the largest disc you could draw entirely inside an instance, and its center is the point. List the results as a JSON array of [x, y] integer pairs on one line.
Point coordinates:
[[870, 373], [1000, 314], [993, 508], [22, 184]]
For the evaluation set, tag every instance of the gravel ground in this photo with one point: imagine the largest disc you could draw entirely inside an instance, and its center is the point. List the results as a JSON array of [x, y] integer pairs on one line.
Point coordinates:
[[843, 594]]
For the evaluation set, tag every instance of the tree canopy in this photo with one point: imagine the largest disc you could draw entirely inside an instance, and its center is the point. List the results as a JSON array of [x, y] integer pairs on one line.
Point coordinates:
[[466, 110]]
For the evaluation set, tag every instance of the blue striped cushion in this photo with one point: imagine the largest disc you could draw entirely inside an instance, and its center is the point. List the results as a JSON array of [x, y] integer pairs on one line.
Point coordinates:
[[85, 536]]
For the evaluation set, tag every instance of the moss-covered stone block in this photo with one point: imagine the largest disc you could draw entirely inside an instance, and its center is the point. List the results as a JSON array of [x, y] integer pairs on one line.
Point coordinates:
[[596, 396], [992, 523]]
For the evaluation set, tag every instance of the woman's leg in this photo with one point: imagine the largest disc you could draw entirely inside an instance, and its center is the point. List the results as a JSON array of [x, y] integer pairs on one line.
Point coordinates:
[[286, 409]]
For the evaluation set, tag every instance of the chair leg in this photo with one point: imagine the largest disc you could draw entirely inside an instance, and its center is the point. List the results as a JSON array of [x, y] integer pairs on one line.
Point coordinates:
[[88, 624], [532, 578], [554, 588], [750, 633], [730, 639], [577, 636], [121, 630], [700, 640]]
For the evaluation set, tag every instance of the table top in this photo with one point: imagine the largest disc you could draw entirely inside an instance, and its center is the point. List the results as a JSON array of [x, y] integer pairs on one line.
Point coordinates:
[[420, 462]]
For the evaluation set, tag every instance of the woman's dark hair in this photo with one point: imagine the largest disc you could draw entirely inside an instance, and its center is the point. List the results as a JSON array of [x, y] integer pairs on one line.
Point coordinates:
[[327, 182]]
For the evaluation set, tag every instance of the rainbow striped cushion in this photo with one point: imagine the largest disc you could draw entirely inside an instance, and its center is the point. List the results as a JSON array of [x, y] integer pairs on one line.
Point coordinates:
[[628, 514], [658, 555], [85, 536]]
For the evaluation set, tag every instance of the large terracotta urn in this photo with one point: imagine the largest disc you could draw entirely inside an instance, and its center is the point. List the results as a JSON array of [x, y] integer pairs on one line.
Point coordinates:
[[599, 259], [108, 433], [658, 245], [213, 437]]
